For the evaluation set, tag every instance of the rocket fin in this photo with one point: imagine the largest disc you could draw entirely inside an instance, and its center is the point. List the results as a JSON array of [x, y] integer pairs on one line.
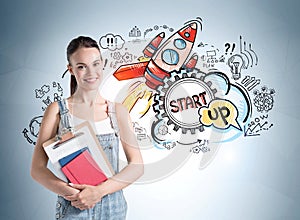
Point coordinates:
[[131, 71], [192, 62], [152, 47]]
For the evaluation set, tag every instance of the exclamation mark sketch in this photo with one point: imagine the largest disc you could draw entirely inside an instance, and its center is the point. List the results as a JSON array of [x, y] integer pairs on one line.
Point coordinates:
[[105, 63]]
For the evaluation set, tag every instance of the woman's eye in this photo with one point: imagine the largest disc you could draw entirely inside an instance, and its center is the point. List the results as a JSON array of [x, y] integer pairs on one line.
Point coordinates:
[[96, 64], [80, 67]]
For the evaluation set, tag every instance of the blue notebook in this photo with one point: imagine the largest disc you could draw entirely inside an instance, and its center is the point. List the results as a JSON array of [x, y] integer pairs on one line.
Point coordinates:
[[65, 160]]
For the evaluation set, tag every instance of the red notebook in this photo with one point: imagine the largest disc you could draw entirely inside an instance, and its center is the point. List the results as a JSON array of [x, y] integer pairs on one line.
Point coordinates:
[[84, 170]]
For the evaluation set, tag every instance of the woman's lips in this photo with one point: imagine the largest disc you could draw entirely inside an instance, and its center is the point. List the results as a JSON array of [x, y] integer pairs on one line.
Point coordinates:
[[90, 80]]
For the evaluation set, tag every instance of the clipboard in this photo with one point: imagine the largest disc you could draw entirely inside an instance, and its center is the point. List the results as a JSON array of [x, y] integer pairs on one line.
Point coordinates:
[[83, 137]]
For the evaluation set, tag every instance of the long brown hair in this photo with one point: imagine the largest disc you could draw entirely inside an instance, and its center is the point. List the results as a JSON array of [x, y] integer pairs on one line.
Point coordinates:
[[73, 46]]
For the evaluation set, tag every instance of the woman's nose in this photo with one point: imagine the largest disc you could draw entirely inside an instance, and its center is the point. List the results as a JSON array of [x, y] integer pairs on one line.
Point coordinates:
[[88, 70]]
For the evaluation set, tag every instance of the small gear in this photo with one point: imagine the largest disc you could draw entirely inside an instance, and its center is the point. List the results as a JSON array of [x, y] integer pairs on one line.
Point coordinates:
[[174, 86]]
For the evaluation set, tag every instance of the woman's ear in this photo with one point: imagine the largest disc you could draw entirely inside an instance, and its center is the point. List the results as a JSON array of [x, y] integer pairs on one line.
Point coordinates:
[[70, 69]]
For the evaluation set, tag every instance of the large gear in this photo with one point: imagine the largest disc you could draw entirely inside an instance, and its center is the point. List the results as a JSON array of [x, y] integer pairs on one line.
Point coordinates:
[[192, 78]]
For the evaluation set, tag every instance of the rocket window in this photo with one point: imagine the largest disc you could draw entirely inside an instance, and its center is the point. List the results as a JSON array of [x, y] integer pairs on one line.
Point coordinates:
[[187, 34], [180, 44], [170, 57]]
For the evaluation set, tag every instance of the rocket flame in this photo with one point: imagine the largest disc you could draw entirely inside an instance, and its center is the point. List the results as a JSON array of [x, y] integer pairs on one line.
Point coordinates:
[[138, 90]]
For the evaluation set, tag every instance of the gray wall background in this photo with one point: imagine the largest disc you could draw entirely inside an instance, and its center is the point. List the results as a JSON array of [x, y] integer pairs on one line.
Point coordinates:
[[262, 182]]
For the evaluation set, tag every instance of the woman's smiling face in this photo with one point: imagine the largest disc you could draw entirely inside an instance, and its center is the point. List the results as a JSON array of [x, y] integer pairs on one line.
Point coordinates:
[[87, 66]]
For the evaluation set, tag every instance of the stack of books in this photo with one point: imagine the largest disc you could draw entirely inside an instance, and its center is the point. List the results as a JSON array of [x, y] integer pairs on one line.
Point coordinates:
[[78, 158]]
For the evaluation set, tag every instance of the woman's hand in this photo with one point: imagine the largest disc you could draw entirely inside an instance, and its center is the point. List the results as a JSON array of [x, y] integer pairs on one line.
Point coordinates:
[[69, 191], [86, 198]]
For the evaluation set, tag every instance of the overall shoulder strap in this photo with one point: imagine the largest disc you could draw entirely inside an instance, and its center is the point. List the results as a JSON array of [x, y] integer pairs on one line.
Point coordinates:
[[113, 117], [65, 118]]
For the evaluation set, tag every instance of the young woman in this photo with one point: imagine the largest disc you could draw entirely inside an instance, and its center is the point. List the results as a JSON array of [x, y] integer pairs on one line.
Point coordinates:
[[111, 121]]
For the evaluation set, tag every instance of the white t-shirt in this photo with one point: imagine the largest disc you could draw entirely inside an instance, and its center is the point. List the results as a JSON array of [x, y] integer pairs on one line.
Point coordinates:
[[100, 127]]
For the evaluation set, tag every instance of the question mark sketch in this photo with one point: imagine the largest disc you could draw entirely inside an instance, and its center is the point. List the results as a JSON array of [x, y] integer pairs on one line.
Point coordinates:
[[227, 47]]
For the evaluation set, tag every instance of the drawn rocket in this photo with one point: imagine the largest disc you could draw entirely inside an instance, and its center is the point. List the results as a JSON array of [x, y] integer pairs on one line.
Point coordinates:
[[192, 62], [152, 47], [171, 55]]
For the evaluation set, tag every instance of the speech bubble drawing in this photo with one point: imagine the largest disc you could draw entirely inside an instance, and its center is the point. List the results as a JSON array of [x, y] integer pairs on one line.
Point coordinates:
[[111, 42], [220, 113]]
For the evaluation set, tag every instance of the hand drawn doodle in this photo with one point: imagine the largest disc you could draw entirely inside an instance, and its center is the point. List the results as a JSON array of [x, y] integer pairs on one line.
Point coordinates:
[[236, 64], [170, 56], [211, 59], [220, 113], [187, 99], [111, 42], [135, 32], [120, 58], [105, 63], [201, 147], [191, 63], [57, 97], [127, 57], [232, 91], [189, 143], [137, 91], [25, 134], [245, 59], [250, 82], [180, 97], [169, 146], [222, 59], [140, 132], [54, 92], [39, 93], [227, 46], [116, 55], [34, 126], [264, 99], [152, 47], [157, 27], [246, 54], [56, 84], [255, 55], [161, 135], [197, 20], [201, 44], [258, 125], [183, 97], [47, 102]]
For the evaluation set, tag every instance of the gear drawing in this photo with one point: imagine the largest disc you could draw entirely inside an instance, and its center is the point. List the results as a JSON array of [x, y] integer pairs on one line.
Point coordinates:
[[183, 83]]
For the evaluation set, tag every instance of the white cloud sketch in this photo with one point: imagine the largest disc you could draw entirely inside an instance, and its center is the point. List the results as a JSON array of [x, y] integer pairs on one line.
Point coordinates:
[[111, 42]]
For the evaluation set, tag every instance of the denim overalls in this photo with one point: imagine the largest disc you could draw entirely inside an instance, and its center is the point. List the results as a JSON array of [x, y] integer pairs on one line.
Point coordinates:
[[112, 206]]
